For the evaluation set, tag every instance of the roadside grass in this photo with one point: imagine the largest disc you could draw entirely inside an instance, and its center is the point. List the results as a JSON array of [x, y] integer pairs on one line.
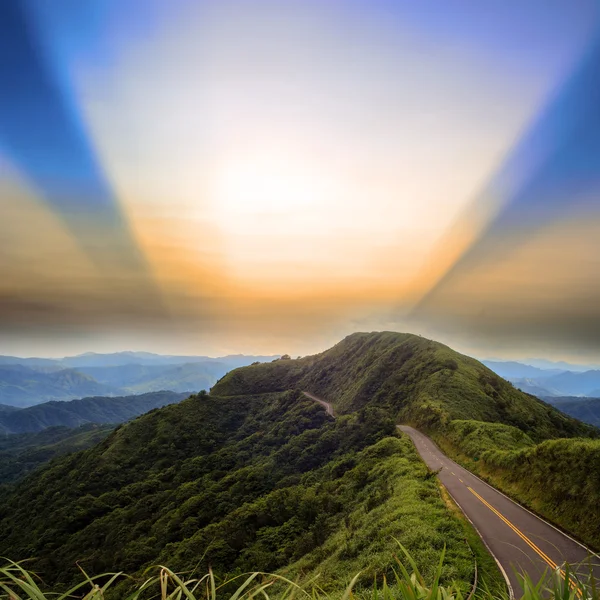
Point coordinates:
[[405, 583]]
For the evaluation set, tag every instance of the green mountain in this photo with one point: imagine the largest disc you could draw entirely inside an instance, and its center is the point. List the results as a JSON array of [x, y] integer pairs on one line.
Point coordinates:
[[415, 379], [256, 476], [265, 482], [98, 409], [22, 453], [584, 409]]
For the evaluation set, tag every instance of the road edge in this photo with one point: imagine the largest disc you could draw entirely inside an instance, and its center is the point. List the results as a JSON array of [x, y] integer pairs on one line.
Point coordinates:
[[511, 592]]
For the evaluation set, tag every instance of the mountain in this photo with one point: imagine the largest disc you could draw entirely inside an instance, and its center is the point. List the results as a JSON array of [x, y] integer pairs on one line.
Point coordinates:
[[115, 359], [574, 384], [532, 386], [74, 413], [29, 381], [557, 365], [24, 386], [268, 482], [515, 370], [256, 476], [584, 409], [136, 378], [5, 408], [33, 363], [20, 454], [417, 380]]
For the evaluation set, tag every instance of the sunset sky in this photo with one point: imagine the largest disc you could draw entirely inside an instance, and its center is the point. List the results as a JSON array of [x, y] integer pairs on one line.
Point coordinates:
[[266, 177]]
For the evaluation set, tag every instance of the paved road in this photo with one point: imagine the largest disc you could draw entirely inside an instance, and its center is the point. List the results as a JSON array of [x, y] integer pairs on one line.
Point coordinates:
[[327, 406], [517, 538]]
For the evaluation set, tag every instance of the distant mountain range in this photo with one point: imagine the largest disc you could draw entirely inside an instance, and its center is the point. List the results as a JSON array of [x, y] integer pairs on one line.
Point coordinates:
[[29, 381], [584, 409], [75, 413], [576, 393]]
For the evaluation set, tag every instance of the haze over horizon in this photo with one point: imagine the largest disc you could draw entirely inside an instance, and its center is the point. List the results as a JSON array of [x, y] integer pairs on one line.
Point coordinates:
[[220, 178]]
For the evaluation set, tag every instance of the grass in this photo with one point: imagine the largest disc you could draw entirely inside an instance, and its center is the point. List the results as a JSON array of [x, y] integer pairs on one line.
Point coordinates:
[[406, 583]]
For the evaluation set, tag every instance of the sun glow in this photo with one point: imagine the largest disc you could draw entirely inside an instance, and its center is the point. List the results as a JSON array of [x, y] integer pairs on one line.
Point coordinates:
[[261, 190]]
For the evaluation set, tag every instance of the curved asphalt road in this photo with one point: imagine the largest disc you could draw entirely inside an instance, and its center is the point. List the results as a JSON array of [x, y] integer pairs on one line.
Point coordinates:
[[518, 540], [327, 405]]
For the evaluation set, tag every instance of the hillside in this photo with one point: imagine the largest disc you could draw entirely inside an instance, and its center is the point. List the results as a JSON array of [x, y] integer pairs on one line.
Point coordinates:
[[556, 478], [415, 379], [265, 482], [256, 476], [74, 413], [22, 453], [584, 409]]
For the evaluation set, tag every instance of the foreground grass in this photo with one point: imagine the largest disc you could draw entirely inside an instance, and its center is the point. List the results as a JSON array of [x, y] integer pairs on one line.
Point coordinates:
[[406, 583]]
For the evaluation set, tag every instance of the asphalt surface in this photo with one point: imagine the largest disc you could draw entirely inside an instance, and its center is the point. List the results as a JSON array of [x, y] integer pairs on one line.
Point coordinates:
[[322, 402], [520, 541]]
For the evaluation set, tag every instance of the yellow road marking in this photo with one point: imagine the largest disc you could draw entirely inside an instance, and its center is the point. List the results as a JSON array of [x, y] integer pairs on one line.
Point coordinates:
[[460, 480], [516, 530], [546, 558]]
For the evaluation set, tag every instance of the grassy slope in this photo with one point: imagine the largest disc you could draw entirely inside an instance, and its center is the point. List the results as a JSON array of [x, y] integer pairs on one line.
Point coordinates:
[[415, 379], [264, 482], [478, 417]]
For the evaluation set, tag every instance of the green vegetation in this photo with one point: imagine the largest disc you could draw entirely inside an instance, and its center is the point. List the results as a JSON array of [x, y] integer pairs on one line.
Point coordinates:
[[477, 417], [584, 409], [99, 409], [414, 379], [406, 583], [559, 479], [22, 453], [266, 482], [257, 477]]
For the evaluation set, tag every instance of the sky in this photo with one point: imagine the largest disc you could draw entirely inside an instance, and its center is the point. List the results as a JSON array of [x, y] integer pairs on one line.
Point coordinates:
[[211, 177]]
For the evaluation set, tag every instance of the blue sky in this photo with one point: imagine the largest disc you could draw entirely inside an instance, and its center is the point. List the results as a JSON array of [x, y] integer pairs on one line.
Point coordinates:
[[265, 174]]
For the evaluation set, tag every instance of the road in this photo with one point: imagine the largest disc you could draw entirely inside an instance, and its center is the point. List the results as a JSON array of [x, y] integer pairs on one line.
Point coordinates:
[[519, 540], [322, 402]]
